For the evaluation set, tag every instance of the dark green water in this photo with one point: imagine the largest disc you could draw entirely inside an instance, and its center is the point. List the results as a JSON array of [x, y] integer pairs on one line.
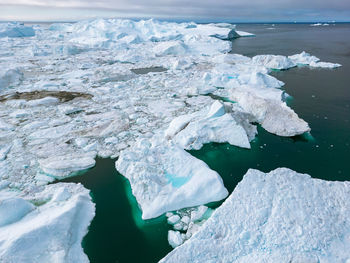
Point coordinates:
[[117, 234], [320, 96]]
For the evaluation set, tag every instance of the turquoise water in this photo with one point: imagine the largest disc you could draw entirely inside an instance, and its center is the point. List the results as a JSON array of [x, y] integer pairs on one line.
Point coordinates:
[[117, 234], [319, 96]]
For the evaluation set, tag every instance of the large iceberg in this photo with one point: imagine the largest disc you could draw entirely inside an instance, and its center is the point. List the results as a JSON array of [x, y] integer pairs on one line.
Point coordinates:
[[164, 177], [45, 227], [281, 216]]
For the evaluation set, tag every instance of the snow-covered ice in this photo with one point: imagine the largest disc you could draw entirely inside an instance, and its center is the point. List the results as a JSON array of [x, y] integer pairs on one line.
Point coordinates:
[[45, 227], [14, 29], [281, 216], [194, 130]]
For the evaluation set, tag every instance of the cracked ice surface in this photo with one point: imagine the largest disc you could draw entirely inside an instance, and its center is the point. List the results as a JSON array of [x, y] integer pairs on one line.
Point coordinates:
[[281, 216]]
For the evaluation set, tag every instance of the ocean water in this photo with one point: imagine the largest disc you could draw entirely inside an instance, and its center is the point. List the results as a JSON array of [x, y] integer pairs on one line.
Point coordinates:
[[319, 96]]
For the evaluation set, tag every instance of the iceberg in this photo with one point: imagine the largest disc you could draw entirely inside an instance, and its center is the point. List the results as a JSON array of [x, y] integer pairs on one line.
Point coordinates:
[[64, 166], [192, 131], [14, 29], [164, 177], [45, 227], [292, 218], [273, 61], [306, 59]]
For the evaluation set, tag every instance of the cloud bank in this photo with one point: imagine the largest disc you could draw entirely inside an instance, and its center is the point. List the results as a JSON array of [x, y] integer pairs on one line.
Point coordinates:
[[218, 10]]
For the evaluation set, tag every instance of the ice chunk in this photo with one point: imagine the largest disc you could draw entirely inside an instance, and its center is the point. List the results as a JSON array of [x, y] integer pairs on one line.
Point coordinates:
[[292, 218], [174, 238], [324, 65], [217, 109], [244, 34], [56, 224], [173, 219], [273, 115], [273, 61], [13, 209], [193, 130], [306, 59], [14, 29], [164, 177], [63, 166], [220, 129], [303, 58], [10, 77]]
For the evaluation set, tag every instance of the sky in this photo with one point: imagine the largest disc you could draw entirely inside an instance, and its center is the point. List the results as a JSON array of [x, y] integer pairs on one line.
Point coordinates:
[[196, 10]]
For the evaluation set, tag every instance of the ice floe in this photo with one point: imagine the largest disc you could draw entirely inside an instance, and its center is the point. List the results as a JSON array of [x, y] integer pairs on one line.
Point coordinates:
[[45, 227], [285, 217], [164, 177]]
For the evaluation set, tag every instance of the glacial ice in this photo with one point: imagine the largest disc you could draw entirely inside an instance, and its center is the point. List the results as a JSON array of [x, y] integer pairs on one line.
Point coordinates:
[[306, 59], [14, 29], [69, 93], [45, 227], [285, 217], [63, 166], [164, 177], [191, 132], [273, 61]]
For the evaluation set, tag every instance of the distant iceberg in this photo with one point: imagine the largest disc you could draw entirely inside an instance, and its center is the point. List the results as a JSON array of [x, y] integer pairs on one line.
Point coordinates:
[[14, 29]]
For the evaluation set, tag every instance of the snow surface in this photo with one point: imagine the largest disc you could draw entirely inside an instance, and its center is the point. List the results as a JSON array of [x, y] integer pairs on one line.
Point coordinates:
[[45, 227], [281, 216]]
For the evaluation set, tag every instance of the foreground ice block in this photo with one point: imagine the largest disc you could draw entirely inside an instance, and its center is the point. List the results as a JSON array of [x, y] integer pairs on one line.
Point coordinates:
[[281, 217], [164, 178], [46, 227]]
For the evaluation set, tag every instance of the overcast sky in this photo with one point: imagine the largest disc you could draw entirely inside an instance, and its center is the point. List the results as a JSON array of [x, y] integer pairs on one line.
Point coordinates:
[[198, 10]]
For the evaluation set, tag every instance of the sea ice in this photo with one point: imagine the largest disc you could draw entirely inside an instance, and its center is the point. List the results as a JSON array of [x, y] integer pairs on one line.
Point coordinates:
[[46, 227], [63, 166], [14, 29], [164, 177], [273, 61], [192, 131], [281, 216]]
